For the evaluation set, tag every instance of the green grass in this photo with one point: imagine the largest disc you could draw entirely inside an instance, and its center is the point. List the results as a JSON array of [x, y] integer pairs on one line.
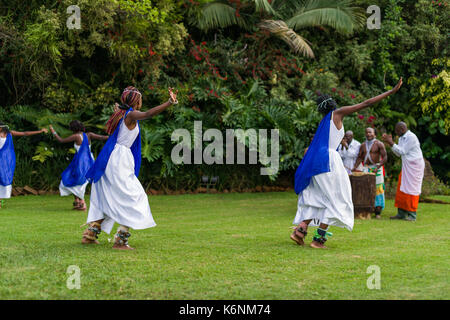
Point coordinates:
[[440, 197], [221, 246]]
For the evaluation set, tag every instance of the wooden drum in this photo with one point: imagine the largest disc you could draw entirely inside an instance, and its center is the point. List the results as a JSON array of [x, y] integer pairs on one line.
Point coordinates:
[[363, 194]]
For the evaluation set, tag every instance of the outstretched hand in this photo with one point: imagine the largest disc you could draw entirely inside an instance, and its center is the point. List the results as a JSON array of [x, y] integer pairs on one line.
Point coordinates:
[[173, 96], [398, 86], [388, 138], [44, 130]]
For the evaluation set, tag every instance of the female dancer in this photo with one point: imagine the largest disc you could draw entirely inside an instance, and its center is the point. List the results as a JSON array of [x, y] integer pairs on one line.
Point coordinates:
[[74, 177], [321, 181], [117, 195], [8, 158]]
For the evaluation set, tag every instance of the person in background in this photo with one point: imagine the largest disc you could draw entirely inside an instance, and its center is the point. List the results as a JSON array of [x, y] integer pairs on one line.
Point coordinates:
[[410, 179], [349, 150], [373, 154], [73, 180], [8, 158]]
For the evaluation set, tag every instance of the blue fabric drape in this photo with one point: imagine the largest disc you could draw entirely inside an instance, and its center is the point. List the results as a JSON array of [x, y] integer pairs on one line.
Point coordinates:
[[75, 173], [317, 158], [98, 169], [7, 162]]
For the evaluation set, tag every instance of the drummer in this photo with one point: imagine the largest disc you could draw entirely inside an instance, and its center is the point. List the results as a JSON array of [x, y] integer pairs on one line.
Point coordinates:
[[373, 154]]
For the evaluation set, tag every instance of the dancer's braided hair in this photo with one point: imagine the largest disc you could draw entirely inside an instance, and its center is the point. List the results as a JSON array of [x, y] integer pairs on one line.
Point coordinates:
[[130, 99], [325, 104], [4, 128], [77, 126]]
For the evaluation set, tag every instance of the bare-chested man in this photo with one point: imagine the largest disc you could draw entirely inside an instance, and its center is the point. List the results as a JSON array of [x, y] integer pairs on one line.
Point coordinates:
[[373, 154]]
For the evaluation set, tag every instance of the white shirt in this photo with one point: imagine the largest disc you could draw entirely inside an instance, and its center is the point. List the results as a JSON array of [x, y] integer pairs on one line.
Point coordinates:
[[413, 164], [408, 147], [349, 155]]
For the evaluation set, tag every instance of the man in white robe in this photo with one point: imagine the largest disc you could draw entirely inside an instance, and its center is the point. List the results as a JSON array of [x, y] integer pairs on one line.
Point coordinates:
[[410, 179], [349, 150]]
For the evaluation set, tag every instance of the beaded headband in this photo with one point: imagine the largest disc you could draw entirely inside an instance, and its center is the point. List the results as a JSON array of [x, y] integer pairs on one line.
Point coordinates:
[[125, 91], [324, 101]]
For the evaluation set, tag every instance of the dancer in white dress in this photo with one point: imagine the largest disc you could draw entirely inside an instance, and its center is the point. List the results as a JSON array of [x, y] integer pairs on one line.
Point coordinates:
[[8, 158], [73, 178], [117, 195], [321, 181]]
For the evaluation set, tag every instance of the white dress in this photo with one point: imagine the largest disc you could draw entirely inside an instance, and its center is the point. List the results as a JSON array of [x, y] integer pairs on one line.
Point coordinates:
[[119, 196], [78, 191], [5, 191], [328, 197]]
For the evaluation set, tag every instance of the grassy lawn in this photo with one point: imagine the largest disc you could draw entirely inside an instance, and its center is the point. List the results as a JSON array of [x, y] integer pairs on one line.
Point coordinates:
[[440, 197], [221, 246]]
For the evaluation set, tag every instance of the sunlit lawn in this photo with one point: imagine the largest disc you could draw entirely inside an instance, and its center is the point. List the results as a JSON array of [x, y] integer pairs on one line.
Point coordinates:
[[221, 246]]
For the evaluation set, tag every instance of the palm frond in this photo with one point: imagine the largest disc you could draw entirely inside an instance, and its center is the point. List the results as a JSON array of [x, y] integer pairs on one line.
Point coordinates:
[[280, 29], [45, 117], [286, 7], [218, 15], [340, 15], [264, 5]]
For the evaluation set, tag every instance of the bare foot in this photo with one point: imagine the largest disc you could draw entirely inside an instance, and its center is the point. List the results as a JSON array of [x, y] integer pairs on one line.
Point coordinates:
[[299, 235], [317, 245], [298, 240], [88, 241], [81, 206], [89, 237]]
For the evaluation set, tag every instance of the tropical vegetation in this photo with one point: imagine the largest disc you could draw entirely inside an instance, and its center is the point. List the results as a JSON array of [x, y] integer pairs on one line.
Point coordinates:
[[237, 64]]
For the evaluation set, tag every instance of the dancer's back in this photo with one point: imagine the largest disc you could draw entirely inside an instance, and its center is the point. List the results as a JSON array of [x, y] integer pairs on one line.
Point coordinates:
[[126, 136]]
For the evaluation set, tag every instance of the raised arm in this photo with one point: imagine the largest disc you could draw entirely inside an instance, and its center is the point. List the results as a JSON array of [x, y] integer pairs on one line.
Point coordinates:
[[138, 115], [344, 111], [94, 136], [398, 151], [27, 133], [73, 138]]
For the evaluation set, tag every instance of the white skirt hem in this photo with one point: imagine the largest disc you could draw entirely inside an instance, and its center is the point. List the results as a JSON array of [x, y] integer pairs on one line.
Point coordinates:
[[78, 191], [5, 192], [119, 196]]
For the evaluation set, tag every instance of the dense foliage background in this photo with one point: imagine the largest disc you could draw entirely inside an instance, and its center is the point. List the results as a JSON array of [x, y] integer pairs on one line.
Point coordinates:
[[237, 64]]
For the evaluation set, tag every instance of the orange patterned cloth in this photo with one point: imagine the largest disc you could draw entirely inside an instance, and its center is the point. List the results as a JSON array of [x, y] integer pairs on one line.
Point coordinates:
[[405, 201]]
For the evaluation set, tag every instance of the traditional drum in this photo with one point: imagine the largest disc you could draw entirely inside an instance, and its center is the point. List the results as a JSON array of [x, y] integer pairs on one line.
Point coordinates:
[[363, 194]]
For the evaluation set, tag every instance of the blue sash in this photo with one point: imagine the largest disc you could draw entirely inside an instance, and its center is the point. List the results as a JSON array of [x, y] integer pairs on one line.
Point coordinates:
[[317, 158], [7, 162], [98, 169], [75, 173]]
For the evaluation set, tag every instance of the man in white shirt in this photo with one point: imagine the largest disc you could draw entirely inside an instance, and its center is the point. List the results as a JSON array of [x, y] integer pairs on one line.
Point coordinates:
[[410, 179], [349, 150]]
